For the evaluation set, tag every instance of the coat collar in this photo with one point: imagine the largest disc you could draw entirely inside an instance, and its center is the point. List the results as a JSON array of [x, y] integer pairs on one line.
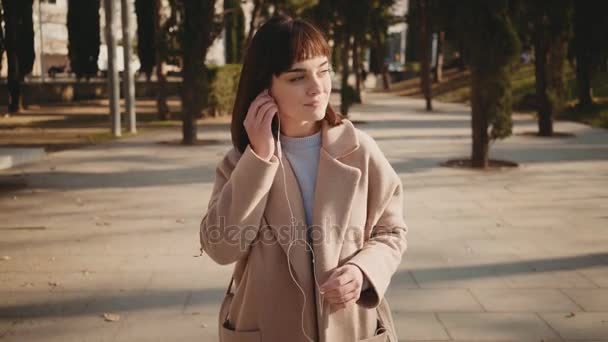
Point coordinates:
[[339, 140]]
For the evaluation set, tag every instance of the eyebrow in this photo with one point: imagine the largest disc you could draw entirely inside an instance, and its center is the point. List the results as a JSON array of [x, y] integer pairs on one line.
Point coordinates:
[[304, 70]]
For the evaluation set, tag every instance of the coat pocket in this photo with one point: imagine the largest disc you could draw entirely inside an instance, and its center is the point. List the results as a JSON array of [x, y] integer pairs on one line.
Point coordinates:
[[381, 335], [229, 335]]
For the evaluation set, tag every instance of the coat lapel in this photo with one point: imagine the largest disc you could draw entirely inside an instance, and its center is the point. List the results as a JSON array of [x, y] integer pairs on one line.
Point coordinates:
[[334, 192], [287, 230]]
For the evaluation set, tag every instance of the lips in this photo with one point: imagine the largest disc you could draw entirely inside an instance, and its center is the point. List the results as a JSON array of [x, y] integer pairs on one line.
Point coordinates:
[[313, 104]]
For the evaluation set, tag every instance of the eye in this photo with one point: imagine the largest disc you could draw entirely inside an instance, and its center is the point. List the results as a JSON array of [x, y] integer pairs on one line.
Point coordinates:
[[297, 79], [324, 71]]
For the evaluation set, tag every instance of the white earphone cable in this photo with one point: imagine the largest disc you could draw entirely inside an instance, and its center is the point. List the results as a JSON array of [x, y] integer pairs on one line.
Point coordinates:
[[294, 233]]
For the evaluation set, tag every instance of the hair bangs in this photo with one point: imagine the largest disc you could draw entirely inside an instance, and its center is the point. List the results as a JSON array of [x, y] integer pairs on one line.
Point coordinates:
[[307, 42]]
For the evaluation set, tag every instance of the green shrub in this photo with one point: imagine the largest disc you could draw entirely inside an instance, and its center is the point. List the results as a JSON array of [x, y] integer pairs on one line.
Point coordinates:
[[223, 81]]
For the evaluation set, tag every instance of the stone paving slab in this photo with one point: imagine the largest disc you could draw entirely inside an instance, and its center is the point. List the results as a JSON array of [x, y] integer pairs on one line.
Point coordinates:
[[497, 327], [15, 156], [493, 256], [582, 325], [524, 300], [419, 327], [591, 300]]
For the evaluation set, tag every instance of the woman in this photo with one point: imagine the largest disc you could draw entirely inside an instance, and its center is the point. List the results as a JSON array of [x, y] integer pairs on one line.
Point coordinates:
[[316, 242]]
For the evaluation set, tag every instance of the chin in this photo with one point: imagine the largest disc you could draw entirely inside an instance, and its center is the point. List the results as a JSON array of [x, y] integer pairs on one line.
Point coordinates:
[[319, 116]]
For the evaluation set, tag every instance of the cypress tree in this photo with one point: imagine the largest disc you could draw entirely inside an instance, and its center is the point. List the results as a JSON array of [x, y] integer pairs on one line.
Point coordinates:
[[235, 31], [83, 37], [145, 35], [19, 42]]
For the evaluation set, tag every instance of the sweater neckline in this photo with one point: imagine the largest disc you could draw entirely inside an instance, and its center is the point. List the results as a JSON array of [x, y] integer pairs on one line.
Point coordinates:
[[313, 140]]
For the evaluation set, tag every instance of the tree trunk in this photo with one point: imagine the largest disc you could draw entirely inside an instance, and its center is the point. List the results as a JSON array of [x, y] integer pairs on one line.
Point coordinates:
[[583, 78], [425, 53], [357, 68], [257, 8], [161, 80], [20, 55], [556, 64], [2, 36], [462, 64], [386, 79], [14, 75], [234, 26], [439, 60], [479, 122], [377, 64], [543, 103], [197, 37], [345, 71], [584, 31], [191, 106]]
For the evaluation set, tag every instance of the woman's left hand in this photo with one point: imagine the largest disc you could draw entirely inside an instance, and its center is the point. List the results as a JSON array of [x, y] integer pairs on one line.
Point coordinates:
[[343, 287]]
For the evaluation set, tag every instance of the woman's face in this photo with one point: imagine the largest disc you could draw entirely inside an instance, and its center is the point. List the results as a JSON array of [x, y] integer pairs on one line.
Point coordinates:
[[302, 93]]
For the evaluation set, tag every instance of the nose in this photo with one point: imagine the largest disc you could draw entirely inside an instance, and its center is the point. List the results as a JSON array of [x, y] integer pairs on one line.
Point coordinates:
[[316, 86]]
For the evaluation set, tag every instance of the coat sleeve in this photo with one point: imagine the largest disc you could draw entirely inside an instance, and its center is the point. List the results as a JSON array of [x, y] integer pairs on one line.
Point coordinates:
[[382, 252], [237, 204]]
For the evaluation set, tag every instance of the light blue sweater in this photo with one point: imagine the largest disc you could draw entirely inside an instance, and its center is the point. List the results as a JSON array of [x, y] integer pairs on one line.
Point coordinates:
[[303, 155]]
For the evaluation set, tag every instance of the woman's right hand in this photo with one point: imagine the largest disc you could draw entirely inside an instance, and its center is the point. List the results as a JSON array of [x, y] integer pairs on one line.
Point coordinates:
[[258, 124]]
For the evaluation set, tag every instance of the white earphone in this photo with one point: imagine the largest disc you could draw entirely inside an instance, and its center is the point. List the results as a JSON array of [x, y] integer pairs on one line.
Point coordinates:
[[294, 233]]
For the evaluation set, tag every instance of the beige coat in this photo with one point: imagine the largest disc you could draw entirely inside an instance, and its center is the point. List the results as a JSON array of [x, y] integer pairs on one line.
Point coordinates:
[[357, 218]]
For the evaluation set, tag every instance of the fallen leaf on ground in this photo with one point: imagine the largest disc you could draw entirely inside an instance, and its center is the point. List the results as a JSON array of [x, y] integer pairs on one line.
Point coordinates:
[[110, 317], [572, 314]]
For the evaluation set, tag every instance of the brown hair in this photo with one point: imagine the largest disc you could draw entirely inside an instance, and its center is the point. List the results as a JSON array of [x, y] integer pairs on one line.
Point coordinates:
[[276, 46]]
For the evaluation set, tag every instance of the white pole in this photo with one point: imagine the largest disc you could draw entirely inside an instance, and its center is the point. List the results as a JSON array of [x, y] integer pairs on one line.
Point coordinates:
[[41, 57], [128, 77], [113, 84]]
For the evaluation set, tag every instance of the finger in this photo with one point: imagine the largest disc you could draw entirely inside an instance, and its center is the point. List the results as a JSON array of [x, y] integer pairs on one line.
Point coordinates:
[[339, 296], [262, 110], [269, 115], [262, 94], [255, 105], [337, 282], [271, 109], [251, 117], [349, 302], [353, 295], [332, 277], [344, 290]]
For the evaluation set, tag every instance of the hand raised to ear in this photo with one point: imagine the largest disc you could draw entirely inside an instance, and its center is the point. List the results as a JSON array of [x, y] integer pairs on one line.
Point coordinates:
[[258, 124]]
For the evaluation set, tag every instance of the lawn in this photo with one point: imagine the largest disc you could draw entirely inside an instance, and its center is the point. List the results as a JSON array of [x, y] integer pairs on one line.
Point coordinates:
[[457, 89]]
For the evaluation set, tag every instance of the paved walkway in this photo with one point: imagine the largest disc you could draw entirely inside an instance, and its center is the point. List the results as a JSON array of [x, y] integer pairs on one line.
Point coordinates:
[[514, 255]]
